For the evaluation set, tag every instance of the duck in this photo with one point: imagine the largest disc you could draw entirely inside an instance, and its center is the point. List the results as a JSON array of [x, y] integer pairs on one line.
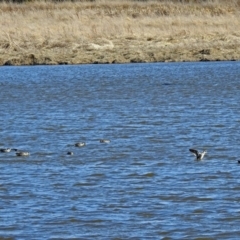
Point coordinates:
[[80, 144], [22, 154], [7, 150], [69, 153], [104, 141], [199, 155]]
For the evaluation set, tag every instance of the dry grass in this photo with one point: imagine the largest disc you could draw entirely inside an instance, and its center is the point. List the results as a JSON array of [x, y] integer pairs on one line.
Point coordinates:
[[119, 31]]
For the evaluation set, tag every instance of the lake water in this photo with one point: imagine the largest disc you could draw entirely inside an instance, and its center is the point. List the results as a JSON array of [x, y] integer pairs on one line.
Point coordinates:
[[144, 184]]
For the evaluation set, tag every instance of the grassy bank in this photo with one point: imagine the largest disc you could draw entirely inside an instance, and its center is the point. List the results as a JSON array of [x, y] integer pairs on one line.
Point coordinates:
[[115, 31]]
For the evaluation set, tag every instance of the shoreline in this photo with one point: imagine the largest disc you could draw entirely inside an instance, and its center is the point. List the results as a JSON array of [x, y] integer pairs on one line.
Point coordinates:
[[26, 62], [108, 32], [106, 63], [96, 56]]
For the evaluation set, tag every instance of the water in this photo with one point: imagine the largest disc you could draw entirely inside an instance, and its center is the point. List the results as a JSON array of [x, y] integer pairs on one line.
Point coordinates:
[[144, 184]]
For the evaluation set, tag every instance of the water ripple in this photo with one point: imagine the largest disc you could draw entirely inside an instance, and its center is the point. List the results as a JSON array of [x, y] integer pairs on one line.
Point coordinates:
[[144, 184]]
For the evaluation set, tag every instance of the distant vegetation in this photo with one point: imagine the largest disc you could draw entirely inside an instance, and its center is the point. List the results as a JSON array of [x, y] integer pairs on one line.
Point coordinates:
[[235, 2], [59, 32]]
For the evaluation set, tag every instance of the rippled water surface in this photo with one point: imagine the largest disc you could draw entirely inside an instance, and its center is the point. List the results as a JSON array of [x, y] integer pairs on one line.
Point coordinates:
[[144, 184]]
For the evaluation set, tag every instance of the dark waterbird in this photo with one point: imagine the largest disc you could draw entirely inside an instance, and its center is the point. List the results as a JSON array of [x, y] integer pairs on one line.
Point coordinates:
[[6, 150], [199, 155], [80, 144], [104, 141], [22, 154]]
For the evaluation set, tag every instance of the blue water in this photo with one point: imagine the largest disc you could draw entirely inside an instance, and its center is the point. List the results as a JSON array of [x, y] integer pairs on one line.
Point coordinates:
[[144, 184]]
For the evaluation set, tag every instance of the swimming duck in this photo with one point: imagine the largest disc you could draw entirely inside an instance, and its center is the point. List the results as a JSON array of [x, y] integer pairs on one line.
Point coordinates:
[[199, 156], [69, 153], [22, 154], [80, 144], [104, 141], [6, 150]]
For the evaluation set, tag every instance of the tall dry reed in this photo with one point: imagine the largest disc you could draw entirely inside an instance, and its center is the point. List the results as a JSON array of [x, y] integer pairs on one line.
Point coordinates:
[[46, 26]]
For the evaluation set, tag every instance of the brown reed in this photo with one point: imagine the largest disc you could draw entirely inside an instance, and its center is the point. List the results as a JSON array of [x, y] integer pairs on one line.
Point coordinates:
[[106, 31]]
